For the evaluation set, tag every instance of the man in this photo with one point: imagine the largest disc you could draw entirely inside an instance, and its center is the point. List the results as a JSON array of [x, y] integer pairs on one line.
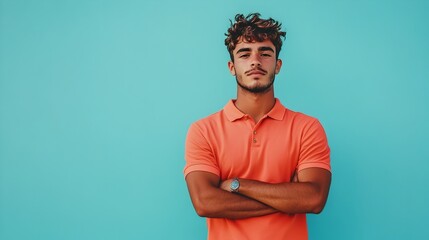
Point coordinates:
[[255, 168]]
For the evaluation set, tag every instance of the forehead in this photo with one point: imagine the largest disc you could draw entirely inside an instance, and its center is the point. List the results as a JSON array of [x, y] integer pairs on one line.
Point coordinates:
[[253, 45]]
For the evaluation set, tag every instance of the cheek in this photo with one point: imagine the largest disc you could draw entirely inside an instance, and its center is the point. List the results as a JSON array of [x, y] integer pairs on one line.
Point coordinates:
[[238, 69]]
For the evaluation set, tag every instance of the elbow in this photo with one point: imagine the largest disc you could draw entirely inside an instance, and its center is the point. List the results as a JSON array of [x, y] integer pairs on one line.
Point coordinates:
[[204, 211], [318, 206], [318, 201], [317, 209], [202, 208], [201, 211]]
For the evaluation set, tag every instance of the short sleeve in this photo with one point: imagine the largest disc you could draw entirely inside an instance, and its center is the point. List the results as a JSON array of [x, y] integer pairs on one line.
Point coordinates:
[[314, 151], [198, 152]]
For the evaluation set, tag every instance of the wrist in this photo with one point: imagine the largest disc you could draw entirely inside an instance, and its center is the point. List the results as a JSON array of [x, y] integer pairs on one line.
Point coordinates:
[[234, 186]]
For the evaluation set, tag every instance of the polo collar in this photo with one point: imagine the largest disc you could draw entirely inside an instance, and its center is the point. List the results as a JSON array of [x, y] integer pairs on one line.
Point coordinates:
[[232, 112], [278, 111]]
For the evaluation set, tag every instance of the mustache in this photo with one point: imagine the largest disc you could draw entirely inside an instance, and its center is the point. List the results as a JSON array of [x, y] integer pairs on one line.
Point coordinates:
[[259, 69]]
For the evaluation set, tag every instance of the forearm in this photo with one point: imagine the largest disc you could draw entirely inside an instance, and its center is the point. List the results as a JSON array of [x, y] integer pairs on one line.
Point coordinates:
[[286, 197], [306, 194], [218, 203], [211, 201]]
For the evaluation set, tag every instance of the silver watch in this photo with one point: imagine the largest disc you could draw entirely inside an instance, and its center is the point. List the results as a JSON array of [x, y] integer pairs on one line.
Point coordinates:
[[235, 185]]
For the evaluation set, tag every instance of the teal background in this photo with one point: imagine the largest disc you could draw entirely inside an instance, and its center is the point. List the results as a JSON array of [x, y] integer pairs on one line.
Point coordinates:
[[96, 98]]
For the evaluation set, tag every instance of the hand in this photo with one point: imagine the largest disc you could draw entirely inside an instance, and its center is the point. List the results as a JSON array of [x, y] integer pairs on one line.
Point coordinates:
[[226, 185]]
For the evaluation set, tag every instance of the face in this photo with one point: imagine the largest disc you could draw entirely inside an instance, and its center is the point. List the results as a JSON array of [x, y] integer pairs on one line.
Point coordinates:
[[255, 66]]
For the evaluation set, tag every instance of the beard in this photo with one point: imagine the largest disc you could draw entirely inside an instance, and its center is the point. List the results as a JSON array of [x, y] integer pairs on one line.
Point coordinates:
[[257, 88]]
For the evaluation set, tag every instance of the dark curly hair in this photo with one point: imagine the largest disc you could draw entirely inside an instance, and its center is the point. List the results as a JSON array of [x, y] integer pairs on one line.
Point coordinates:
[[252, 28]]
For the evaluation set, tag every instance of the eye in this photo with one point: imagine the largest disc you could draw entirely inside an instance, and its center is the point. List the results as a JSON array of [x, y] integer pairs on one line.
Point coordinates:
[[266, 55], [244, 55]]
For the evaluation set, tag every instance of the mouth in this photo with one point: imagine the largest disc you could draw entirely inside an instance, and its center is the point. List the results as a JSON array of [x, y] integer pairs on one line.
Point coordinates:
[[258, 71]]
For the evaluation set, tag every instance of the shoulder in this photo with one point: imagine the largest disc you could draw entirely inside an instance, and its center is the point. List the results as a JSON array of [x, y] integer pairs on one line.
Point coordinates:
[[214, 117], [208, 122], [303, 124], [299, 117]]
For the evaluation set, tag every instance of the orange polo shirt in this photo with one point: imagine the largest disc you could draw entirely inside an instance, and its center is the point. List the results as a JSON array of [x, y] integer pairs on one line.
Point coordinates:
[[230, 144]]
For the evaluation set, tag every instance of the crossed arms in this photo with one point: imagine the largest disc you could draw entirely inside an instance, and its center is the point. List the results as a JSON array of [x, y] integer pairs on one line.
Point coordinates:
[[211, 197]]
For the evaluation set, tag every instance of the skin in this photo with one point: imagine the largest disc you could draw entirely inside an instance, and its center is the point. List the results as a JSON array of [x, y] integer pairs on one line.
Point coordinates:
[[255, 66]]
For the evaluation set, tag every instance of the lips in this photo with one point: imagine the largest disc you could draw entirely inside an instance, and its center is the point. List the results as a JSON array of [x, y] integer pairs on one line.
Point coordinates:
[[256, 72]]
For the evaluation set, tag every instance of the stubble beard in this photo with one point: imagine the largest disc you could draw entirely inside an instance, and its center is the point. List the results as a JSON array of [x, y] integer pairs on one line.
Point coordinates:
[[258, 88]]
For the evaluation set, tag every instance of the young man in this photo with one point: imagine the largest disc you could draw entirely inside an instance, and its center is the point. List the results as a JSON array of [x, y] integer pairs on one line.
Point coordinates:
[[255, 168]]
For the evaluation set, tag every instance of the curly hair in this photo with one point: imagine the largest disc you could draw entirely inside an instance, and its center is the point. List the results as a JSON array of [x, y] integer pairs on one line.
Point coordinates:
[[252, 28]]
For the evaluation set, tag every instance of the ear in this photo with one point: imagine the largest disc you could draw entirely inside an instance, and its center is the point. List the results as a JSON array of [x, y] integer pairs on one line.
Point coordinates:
[[231, 68], [278, 65]]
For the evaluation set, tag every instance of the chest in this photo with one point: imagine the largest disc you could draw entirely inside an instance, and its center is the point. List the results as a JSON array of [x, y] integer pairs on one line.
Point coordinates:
[[266, 153]]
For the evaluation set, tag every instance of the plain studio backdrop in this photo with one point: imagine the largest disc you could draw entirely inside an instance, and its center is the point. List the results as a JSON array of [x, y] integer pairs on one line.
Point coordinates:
[[96, 98]]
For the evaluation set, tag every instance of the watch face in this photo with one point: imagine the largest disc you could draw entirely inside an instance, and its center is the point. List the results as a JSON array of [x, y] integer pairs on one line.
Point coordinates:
[[235, 184]]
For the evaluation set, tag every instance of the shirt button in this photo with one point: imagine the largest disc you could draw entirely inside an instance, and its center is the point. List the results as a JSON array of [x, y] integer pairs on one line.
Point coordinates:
[[254, 140], [254, 132]]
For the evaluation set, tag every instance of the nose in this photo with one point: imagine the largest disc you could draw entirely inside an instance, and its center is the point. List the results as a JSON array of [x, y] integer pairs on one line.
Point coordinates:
[[255, 61]]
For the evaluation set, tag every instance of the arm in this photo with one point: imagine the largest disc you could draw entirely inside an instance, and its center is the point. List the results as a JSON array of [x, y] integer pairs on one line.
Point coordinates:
[[308, 195], [211, 201]]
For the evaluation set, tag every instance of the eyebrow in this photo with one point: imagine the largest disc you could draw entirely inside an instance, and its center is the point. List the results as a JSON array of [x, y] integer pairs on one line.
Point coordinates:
[[259, 49], [265, 49], [243, 50]]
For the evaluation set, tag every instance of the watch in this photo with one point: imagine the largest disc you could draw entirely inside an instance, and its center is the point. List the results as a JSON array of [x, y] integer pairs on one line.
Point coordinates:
[[235, 185]]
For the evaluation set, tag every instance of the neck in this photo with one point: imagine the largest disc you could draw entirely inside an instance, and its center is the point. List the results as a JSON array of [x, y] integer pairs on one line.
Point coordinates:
[[255, 104]]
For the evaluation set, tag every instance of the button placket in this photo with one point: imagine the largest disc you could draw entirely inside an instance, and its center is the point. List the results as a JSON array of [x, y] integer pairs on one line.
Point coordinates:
[[254, 136]]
